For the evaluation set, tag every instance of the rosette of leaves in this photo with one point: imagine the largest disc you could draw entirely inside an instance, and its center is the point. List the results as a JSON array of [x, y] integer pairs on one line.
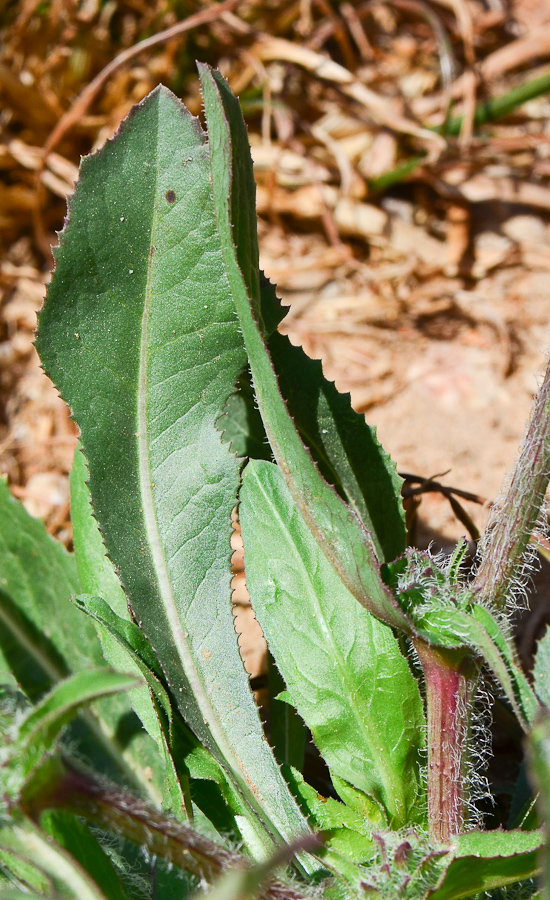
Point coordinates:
[[161, 334]]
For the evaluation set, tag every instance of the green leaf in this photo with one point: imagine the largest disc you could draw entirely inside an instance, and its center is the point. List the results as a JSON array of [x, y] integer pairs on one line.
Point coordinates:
[[344, 446], [136, 649], [177, 742], [14, 893], [97, 576], [71, 834], [349, 832], [483, 861], [37, 623], [142, 252], [359, 802], [539, 769], [523, 695], [346, 449], [338, 531], [20, 869], [41, 727], [95, 570], [287, 732], [541, 671], [128, 648], [50, 862], [342, 667]]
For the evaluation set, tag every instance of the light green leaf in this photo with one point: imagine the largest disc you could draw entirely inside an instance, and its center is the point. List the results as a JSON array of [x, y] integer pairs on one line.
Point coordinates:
[[483, 861], [337, 530], [41, 727], [20, 869], [17, 894], [140, 336], [342, 667], [541, 671], [344, 830], [359, 802]]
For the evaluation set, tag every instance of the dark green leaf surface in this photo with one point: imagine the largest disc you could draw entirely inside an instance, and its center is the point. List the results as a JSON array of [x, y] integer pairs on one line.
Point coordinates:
[[71, 834], [539, 773], [338, 531], [37, 622], [287, 732], [342, 667], [97, 576], [346, 449], [175, 740], [486, 860], [40, 729], [46, 863], [140, 335]]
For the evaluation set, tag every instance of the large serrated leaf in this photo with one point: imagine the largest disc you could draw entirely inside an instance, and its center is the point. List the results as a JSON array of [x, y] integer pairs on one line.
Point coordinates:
[[338, 531], [343, 668], [139, 334], [340, 441]]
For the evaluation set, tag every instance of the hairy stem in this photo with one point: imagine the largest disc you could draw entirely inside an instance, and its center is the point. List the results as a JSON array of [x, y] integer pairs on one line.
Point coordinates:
[[450, 678], [508, 533], [58, 785]]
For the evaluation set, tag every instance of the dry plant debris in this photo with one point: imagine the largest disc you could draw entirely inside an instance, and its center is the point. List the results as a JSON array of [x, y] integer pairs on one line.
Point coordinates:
[[403, 195]]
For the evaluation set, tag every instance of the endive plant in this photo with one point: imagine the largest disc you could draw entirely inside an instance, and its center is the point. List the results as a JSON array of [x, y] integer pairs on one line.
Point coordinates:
[[135, 763]]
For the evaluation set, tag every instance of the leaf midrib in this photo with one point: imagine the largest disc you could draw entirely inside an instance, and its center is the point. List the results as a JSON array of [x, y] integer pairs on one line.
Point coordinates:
[[182, 647]]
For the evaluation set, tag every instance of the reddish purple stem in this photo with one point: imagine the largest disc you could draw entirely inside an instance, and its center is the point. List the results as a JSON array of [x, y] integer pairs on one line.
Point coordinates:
[[450, 679]]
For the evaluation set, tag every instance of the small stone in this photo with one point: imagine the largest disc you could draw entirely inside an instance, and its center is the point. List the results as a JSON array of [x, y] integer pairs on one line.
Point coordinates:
[[491, 249]]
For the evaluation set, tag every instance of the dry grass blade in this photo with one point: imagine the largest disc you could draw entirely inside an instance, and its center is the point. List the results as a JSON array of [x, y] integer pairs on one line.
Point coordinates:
[[464, 19], [382, 109], [534, 45]]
